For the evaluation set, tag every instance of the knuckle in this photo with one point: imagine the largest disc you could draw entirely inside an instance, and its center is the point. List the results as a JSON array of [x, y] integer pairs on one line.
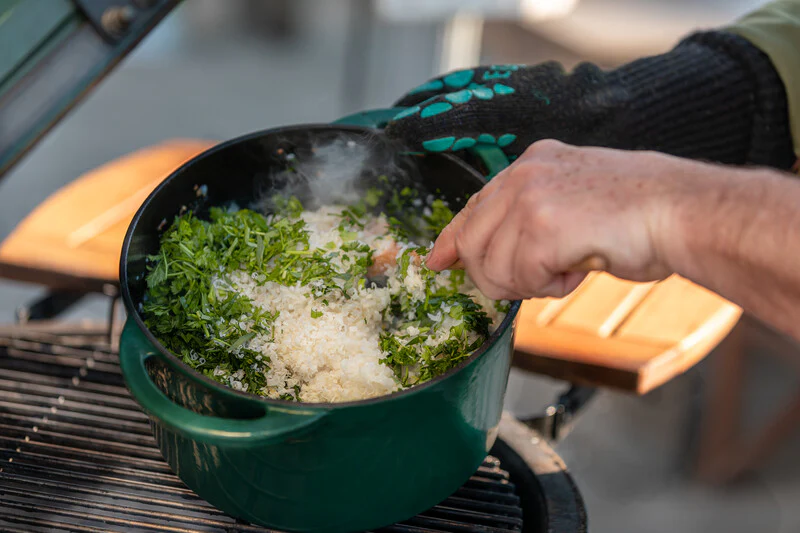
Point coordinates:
[[532, 151], [540, 215], [517, 172], [529, 271], [530, 200], [533, 168], [544, 216], [475, 198], [523, 171], [546, 146]]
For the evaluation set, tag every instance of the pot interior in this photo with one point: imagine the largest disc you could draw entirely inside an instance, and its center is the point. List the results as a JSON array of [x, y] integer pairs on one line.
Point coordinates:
[[318, 164]]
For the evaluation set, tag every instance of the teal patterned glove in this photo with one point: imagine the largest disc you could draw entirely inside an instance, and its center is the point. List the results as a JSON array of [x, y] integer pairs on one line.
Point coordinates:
[[714, 96], [510, 106]]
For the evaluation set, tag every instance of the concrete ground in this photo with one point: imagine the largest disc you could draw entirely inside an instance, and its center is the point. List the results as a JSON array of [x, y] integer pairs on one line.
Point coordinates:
[[628, 454]]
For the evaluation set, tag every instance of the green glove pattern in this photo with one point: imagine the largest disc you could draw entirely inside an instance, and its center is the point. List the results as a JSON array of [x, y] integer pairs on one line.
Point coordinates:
[[510, 106], [715, 96]]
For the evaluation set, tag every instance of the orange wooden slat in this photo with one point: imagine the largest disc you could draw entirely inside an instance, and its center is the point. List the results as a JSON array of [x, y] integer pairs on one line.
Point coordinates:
[[556, 306], [540, 312], [583, 357], [109, 241], [673, 310], [691, 349], [610, 333], [25, 261], [620, 353], [74, 237], [531, 309], [602, 305]]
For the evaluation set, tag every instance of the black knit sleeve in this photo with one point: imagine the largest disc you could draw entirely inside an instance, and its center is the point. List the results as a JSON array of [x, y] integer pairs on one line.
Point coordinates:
[[715, 97]]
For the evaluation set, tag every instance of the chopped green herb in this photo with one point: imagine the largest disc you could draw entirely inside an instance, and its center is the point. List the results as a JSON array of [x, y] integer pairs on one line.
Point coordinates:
[[193, 307], [414, 361], [440, 217], [373, 197]]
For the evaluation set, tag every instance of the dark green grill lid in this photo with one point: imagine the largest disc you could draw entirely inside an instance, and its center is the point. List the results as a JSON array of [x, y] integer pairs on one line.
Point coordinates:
[[53, 52]]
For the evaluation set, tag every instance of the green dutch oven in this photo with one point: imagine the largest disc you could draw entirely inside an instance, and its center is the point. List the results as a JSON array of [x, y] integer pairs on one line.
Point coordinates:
[[300, 466]]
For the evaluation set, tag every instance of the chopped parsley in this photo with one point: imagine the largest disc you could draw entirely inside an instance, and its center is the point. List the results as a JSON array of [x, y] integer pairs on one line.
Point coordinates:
[[412, 358], [193, 307]]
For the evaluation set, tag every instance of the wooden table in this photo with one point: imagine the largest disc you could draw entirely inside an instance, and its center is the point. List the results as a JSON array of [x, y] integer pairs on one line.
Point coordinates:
[[608, 332]]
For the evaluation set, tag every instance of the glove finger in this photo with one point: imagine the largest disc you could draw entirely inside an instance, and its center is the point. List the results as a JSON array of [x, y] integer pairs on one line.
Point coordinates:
[[455, 121], [452, 81]]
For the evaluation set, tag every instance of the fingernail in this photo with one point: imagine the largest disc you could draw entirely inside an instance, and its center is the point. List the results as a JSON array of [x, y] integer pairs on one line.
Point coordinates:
[[428, 257], [431, 258]]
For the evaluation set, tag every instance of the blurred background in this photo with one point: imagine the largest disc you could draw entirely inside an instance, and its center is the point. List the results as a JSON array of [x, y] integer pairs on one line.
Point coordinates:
[[215, 70]]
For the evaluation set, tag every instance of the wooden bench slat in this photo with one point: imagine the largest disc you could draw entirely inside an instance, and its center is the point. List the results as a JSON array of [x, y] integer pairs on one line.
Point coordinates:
[[604, 303], [673, 310], [73, 239]]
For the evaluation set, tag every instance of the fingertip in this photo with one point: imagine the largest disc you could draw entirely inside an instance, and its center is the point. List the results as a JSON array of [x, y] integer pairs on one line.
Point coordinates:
[[443, 254], [433, 264], [435, 260]]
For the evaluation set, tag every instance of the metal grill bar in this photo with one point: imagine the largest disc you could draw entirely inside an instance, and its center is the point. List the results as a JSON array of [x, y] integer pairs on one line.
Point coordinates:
[[76, 453]]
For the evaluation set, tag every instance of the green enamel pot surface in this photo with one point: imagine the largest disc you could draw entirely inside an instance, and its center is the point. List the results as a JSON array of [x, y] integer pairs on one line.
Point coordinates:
[[299, 466]]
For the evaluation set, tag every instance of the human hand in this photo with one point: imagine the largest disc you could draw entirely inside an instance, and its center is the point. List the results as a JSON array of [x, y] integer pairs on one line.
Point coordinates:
[[510, 106], [558, 205]]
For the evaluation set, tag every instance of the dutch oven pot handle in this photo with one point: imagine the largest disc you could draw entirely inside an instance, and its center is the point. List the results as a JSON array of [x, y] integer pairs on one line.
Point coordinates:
[[492, 156], [275, 425]]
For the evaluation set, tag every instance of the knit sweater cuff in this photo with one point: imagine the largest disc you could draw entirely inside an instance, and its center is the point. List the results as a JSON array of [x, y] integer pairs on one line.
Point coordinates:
[[715, 96]]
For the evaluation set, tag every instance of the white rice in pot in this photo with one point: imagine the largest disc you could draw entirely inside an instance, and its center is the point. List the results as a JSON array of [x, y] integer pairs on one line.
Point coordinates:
[[325, 345]]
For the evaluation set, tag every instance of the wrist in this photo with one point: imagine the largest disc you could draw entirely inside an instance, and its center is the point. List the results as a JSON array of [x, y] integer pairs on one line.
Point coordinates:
[[703, 219], [739, 238]]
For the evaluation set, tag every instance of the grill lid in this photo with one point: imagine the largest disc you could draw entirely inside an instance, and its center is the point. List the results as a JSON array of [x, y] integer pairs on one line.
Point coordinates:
[[53, 53]]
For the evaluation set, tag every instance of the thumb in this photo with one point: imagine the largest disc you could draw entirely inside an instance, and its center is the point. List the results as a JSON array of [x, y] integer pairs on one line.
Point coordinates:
[[444, 254]]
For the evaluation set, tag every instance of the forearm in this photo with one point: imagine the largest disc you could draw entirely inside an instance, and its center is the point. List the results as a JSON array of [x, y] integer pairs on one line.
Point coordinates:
[[740, 237]]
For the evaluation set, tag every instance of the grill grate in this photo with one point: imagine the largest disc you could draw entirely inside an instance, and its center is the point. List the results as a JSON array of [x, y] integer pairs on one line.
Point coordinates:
[[76, 453]]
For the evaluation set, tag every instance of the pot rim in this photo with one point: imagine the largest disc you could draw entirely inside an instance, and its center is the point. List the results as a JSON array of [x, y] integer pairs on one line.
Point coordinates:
[[127, 299]]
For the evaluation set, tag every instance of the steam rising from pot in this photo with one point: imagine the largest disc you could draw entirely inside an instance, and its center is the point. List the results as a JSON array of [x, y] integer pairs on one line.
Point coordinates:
[[336, 170]]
